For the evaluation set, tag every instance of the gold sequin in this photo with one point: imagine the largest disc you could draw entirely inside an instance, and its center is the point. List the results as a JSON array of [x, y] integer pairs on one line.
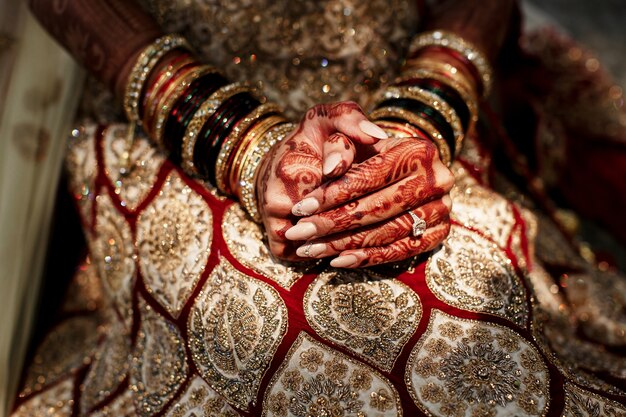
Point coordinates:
[[121, 406], [474, 375], [174, 236], [199, 400], [371, 317], [55, 402], [159, 364], [235, 326], [472, 273], [354, 390]]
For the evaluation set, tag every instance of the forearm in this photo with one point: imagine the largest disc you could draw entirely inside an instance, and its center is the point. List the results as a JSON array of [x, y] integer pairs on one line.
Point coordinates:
[[103, 35]]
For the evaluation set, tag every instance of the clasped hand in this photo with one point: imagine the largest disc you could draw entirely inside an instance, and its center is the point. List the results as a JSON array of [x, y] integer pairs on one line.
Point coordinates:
[[337, 187]]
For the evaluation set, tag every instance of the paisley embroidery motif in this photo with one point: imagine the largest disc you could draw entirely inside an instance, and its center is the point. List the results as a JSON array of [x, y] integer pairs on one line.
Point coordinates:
[[315, 380], [245, 241], [113, 253], [200, 400], [581, 403], [174, 236], [132, 166], [465, 368], [471, 273], [82, 166], [235, 326], [477, 207], [159, 363], [68, 347], [109, 367], [56, 402], [371, 317]]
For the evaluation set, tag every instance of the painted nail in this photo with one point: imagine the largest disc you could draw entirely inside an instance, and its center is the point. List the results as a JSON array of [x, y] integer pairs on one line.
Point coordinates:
[[331, 162], [305, 207], [345, 261], [311, 250], [371, 129], [301, 231]]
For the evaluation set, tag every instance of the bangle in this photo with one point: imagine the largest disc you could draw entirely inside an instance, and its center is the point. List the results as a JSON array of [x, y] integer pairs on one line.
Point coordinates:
[[147, 60], [163, 77], [234, 138], [397, 113], [200, 117], [456, 43], [444, 69], [399, 129], [431, 100], [250, 165]]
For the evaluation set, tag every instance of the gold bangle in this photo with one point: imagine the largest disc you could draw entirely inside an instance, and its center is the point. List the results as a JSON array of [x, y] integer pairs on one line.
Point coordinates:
[[145, 63], [466, 93], [423, 124], [199, 118], [399, 130], [235, 137], [444, 69], [249, 171], [173, 93], [456, 43], [430, 99]]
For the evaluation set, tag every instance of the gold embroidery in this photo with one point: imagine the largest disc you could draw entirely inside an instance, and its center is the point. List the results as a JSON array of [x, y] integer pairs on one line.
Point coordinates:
[[82, 166], [354, 390], [234, 328], [122, 406], [68, 347], [109, 367], [132, 166], [479, 208], [199, 400], [371, 317], [581, 403], [159, 362], [471, 273], [245, 241], [113, 253], [474, 374], [174, 236], [56, 402]]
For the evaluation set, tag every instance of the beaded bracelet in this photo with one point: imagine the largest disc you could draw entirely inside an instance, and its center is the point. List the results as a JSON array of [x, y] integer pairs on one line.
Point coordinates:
[[448, 40], [145, 63]]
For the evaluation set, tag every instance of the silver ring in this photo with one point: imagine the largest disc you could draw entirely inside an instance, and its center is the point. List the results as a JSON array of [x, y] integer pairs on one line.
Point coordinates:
[[419, 225]]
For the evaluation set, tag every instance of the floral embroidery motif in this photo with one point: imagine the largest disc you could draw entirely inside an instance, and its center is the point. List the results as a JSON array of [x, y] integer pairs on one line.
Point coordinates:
[[68, 347], [471, 273], [174, 236], [234, 328], [371, 317], [477, 207], [474, 375], [245, 242], [113, 252], [82, 166], [57, 401], [159, 362], [581, 403], [122, 406], [338, 385], [132, 166], [109, 367], [198, 400]]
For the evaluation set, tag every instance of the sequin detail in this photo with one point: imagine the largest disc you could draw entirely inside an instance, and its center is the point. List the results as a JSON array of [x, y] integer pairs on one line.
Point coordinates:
[[472, 273], [235, 326], [199, 399], [581, 403], [174, 235], [371, 317], [122, 406], [485, 370], [55, 402], [336, 385]]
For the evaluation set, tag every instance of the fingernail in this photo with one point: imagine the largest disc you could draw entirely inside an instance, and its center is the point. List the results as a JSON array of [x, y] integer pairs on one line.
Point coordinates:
[[371, 129], [301, 231], [345, 261], [331, 162], [305, 207], [311, 250], [447, 201]]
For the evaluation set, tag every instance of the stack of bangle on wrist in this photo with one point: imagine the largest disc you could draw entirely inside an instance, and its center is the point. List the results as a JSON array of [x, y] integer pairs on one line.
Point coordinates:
[[217, 130], [434, 97]]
